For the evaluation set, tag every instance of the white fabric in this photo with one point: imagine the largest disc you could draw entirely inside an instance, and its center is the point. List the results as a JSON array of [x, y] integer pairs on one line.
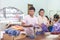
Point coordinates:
[[52, 36], [42, 20]]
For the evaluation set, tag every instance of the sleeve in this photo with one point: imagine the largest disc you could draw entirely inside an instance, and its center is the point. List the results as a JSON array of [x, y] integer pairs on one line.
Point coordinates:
[[36, 20]]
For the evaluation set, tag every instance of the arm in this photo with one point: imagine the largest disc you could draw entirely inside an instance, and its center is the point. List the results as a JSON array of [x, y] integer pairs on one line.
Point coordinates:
[[25, 25]]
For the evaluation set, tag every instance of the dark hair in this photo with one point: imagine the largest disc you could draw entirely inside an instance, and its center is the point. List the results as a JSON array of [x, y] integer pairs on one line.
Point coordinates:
[[41, 10], [47, 17], [56, 16], [32, 8]]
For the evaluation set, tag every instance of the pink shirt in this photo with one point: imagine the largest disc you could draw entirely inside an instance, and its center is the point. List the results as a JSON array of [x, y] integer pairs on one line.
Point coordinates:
[[30, 20]]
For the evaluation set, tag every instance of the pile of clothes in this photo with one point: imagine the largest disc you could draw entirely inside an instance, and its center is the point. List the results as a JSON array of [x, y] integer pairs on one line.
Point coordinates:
[[56, 27], [44, 28], [14, 30]]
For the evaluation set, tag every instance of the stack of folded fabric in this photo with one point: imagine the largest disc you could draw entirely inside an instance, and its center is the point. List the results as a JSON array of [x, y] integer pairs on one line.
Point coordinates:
[[12, 32], [56, 28], [44, 28]]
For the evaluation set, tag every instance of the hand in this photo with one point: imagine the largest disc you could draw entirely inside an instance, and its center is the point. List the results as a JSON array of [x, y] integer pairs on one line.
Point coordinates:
[[40, 25], [30, 25]]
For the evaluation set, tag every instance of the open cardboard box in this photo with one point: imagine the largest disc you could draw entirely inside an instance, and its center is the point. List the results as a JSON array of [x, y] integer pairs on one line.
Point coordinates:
[[8, 37]]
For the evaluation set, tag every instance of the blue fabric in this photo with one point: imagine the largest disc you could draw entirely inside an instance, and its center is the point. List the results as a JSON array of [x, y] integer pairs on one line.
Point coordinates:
[[44, 28], [56, 27], [50, 28], [12, 32], [38, 33], [31, 36]]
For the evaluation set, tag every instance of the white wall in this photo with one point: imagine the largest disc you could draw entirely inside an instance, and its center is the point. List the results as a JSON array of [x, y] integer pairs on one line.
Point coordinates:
[[53, 5], [22, 5]]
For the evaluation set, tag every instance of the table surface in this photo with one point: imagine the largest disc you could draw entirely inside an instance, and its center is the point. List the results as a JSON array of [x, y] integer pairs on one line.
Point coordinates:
[[42, 37]]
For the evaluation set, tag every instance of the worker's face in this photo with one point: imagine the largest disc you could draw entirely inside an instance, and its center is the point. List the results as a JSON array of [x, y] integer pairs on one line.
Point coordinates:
[[31, 12], [55, 19], [42, 13]]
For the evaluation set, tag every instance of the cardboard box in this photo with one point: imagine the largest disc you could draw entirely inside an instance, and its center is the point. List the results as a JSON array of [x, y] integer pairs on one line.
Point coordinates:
[[8, 37]]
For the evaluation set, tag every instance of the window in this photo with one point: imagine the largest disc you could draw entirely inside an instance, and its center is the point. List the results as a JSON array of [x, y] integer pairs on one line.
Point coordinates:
[[11, 13]]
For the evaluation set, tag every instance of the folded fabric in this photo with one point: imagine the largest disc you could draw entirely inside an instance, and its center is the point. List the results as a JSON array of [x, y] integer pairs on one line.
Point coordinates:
[[44, 28], [12, 32], [56, 27], [29, 31], [50, 28]]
